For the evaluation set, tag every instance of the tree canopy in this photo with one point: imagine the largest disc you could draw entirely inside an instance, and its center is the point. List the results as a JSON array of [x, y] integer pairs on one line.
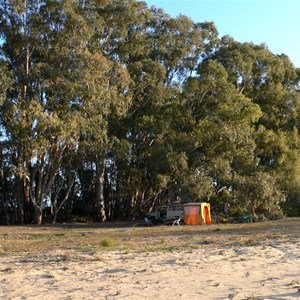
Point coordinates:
[[110, 108]]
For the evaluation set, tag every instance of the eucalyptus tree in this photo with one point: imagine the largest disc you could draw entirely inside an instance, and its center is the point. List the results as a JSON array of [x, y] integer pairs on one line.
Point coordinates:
[[148, 157], [270, 81], [224, 128], [5, 85], [61, 80]]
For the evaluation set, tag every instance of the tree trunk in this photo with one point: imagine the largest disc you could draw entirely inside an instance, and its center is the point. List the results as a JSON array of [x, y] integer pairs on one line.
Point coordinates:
[[28, 211], [107, 197], [70, 183], [4, 219], [41, 181], [54, 212], [100, 171], [253, 207], [19, 219], [38, 215]]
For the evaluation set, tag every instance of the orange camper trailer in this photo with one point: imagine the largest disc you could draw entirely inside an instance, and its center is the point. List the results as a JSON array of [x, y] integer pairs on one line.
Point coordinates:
[[197, 213]]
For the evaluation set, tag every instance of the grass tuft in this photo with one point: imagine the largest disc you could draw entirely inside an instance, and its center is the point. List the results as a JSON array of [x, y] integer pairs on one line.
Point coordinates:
[[108, 242]]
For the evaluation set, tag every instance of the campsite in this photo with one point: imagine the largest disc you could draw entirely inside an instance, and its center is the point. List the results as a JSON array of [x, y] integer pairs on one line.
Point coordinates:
[[146, 154], [126, 261]]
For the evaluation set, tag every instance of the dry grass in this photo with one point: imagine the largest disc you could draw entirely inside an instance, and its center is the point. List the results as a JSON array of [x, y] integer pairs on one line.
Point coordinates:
[[79, 239]]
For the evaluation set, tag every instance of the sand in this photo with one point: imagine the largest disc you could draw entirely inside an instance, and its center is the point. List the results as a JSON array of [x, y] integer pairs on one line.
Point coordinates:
[[245, 272]]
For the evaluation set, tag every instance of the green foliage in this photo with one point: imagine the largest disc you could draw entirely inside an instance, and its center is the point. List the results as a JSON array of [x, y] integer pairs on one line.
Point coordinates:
[[5, 81], [113, 106]]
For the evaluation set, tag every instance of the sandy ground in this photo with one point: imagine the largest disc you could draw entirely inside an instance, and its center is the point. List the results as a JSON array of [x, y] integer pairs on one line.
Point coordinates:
[[256, 272]]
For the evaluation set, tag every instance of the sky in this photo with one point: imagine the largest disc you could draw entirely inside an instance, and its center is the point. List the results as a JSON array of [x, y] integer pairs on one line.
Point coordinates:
[[275, 23]]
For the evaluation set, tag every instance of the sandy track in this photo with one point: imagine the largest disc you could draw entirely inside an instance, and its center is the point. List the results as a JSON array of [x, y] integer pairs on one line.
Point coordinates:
[[256, 272]]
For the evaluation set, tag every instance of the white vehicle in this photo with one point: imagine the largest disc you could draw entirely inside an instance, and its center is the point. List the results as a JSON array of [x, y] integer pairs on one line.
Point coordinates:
[[167, 212]]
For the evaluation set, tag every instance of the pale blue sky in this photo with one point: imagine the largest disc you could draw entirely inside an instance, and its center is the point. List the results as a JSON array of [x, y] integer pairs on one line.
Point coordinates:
[[273, 22]]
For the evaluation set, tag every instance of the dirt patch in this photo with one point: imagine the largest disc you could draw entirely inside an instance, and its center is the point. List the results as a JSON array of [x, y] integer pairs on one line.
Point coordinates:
[[127, 236]]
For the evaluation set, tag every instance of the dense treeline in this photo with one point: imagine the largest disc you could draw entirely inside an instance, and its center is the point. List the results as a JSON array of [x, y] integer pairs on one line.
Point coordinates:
[[109, 108]]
